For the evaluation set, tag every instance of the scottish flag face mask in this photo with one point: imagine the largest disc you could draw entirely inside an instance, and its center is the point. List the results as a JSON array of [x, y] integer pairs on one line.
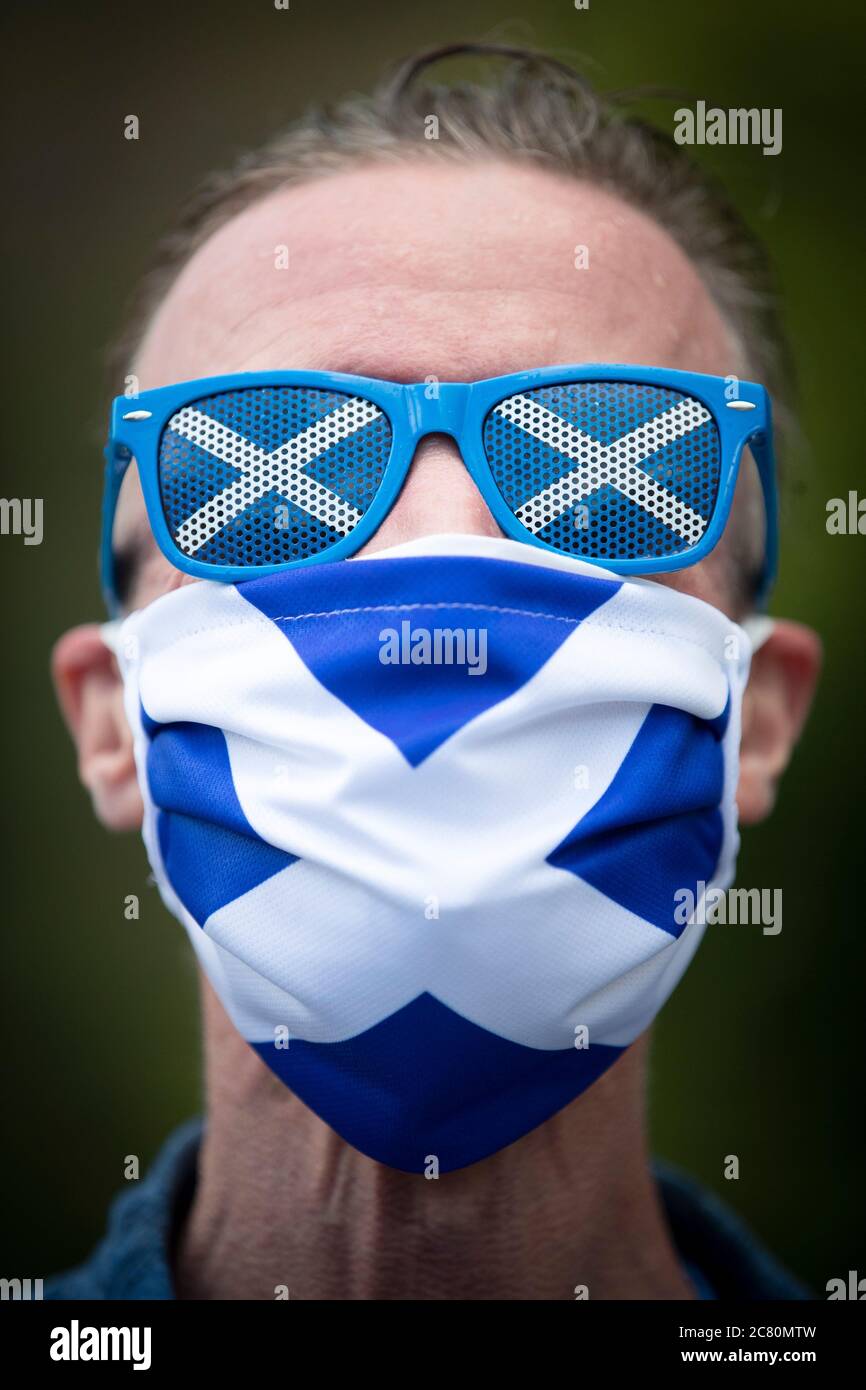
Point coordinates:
[[427, 818]]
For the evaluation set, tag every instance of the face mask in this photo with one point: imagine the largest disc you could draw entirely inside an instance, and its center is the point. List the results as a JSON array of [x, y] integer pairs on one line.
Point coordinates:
[[428, 818]]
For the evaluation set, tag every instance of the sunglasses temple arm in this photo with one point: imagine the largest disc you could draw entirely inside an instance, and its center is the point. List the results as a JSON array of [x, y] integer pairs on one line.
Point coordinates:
[[117, 459], [761, 445]]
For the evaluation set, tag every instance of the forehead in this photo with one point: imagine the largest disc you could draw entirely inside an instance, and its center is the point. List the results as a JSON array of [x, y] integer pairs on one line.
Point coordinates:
[[456, 270]]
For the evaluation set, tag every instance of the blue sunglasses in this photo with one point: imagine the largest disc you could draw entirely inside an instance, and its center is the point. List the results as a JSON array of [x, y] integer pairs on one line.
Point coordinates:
[[630, 468]]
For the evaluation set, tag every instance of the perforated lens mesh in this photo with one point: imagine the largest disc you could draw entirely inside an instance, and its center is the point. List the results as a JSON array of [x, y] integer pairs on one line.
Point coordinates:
[[607, 469], [269, 474]]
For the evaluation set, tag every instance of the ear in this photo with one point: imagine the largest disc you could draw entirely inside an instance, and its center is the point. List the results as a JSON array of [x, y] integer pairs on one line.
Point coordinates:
[[775, 705], [90, 693]]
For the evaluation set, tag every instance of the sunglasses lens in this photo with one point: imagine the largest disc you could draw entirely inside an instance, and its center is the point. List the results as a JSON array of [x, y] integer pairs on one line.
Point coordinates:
[[608, 470], [269, 474]]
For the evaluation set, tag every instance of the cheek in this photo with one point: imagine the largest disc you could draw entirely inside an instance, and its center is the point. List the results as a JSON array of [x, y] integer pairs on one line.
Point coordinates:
[[155, 577], [711, 581]]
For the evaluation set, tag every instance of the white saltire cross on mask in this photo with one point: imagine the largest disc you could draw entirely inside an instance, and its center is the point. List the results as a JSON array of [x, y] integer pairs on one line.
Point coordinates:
[[471, 827]]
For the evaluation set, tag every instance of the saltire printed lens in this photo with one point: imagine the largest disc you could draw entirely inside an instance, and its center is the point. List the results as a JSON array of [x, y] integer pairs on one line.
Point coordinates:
[[629, 468], [270, 475], [606, 469]]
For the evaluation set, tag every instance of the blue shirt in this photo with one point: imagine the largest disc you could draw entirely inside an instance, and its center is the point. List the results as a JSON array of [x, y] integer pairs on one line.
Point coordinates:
[[719, 1253]]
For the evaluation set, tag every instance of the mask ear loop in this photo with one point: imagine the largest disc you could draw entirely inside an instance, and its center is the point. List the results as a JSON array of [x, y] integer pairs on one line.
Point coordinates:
[[758, 628], [110, 634]]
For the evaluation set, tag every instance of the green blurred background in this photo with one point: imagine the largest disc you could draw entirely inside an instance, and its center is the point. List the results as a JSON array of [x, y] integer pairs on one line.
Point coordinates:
[[760, 1051]]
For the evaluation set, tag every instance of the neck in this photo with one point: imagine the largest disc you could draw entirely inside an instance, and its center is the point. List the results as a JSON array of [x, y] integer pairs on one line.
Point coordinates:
[[281, 1200]]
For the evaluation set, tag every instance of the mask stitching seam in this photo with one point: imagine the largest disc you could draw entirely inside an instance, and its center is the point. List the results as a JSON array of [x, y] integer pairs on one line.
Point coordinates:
[[495, 608], [476, 607]]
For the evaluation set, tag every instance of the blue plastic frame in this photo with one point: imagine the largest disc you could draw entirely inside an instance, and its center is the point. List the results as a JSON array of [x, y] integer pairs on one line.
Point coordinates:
[[453, 408]]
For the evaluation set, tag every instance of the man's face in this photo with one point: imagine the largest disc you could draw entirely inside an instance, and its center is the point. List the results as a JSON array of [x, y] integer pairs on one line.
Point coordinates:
[[458, 272], [408, 271]]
